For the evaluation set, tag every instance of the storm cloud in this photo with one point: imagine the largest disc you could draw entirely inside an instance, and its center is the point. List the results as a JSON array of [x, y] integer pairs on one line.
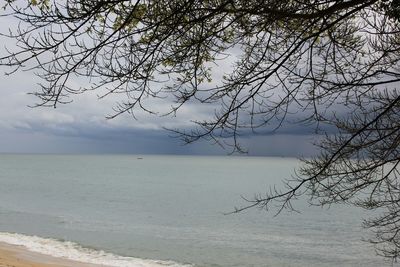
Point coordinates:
[[82, 127]]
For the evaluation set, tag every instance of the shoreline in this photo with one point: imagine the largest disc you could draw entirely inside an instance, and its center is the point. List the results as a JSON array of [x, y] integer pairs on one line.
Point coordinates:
[[19, 256], [18, 250]]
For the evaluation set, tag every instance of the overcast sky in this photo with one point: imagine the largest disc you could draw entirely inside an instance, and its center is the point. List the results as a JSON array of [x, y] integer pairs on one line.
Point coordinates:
[[81, 127]]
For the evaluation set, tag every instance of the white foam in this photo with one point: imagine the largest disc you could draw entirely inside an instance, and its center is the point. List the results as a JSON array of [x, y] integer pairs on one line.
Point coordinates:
[[73, 251]]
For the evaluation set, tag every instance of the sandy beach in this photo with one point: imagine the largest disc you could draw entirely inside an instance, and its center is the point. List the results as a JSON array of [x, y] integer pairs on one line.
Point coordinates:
[[17, 256]]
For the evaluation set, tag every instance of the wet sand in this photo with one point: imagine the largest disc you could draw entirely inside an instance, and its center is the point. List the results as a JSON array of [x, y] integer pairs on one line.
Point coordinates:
[[17, 256]]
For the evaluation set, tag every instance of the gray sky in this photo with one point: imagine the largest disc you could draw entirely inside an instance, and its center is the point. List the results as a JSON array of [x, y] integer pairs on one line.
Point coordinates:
[[81, 127]]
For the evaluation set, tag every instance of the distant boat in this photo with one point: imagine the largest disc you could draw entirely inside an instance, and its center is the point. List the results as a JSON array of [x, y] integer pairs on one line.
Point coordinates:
[[139, 158]]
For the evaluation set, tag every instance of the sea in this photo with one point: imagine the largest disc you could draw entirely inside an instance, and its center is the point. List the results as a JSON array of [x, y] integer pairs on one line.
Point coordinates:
[[151, 211]]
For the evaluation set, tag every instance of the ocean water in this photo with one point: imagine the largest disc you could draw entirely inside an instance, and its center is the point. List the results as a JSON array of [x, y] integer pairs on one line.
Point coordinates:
[[120, 210]]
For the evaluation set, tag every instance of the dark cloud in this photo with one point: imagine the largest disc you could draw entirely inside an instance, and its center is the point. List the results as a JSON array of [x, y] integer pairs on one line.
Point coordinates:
[[91, 140], [81, 127]]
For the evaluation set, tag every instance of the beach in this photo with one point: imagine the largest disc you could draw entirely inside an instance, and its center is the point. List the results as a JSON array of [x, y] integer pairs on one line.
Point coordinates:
[[18, 256], [115, 210]]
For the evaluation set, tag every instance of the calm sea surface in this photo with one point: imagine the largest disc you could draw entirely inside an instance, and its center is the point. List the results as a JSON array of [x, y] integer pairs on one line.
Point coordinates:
[[168, 211]]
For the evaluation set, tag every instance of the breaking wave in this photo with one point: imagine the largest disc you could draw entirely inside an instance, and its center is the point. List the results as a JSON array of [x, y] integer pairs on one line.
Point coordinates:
[[73, 251]]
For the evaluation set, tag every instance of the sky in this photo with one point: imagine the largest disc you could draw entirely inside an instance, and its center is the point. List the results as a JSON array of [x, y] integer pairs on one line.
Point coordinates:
[[82, 127]]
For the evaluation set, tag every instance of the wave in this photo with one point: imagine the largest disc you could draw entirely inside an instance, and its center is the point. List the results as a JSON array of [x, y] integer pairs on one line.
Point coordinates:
[[73, 251]]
